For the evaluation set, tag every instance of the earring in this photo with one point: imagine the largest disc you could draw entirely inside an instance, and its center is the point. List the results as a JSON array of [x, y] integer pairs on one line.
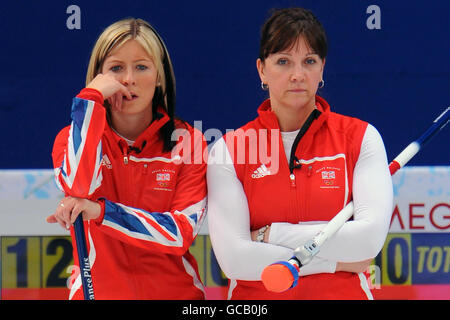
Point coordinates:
[[264, 86], [321, 84]]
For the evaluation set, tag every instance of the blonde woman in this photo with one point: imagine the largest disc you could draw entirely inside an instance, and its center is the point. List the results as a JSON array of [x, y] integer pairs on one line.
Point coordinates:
[[146, 198]]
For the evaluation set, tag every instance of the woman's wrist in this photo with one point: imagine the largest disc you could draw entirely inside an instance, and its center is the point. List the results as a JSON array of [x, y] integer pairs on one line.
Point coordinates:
[[266, 234], [263, 234], [91, 94]]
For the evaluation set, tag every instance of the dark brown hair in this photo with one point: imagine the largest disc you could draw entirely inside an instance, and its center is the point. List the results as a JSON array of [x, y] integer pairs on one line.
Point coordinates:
[[282, 29]]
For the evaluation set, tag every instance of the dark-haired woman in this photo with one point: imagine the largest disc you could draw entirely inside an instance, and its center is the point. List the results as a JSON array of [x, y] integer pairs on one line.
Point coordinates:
[[142, 192], [275, 182]]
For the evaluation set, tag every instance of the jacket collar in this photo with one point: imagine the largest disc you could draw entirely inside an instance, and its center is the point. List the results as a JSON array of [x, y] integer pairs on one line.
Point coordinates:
[[149, 135], [269, 119]]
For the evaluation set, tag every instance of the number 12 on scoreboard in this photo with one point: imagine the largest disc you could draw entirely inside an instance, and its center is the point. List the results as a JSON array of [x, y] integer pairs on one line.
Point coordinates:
[[35, 261]]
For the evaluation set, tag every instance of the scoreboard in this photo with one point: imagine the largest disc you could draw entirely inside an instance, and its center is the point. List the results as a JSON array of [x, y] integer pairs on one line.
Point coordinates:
[[36, 258], [36, 261], [407, 261]]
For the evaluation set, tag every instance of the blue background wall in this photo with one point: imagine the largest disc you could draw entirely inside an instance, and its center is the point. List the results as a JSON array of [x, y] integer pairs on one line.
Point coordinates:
[[397, 78]]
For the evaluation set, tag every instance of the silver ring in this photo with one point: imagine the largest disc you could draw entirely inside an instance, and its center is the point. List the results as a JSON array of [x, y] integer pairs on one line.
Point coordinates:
[[62, 205]]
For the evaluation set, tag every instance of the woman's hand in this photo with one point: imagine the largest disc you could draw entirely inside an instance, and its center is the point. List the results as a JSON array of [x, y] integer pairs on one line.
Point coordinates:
[[355, 267], [111, 89], [70, 207], [254, 234]]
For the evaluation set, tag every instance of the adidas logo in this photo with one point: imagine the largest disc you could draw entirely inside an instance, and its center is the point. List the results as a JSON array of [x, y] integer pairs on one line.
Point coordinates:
[[260, 172], [106, 162]]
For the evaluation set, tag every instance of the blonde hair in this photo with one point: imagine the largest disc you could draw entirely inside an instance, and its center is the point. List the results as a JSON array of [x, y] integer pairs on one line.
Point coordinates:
[[115, 36], [120, 32]]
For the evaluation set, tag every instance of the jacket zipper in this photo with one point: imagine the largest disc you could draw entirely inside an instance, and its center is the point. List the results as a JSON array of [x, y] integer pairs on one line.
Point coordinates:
[[144, 172], [126, 169], [307, 193], [309, 171], [126, 150], [292, 177], [125, 153], [294, 162]]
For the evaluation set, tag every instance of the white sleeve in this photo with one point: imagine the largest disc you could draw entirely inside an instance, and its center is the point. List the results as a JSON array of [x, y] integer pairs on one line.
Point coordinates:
[[229, 227], [364, 236]]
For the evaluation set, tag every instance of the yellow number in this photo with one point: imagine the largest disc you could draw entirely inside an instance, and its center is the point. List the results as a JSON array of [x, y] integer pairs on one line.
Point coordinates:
[[20, 262]]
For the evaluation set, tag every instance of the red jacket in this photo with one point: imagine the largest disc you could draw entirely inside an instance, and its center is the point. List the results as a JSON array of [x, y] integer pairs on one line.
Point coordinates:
[[313, 185], [153, 203]]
